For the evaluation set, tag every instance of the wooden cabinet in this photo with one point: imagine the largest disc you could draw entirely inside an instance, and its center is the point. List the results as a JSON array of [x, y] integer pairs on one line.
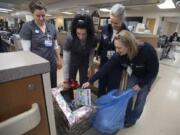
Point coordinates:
[[152, 39], [17, 97], [25, 95]]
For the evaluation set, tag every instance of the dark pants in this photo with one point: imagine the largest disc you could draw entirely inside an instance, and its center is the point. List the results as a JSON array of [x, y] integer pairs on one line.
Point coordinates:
[[53, 75], [4, 47], [83, 71], [135, 108], [109, 82]]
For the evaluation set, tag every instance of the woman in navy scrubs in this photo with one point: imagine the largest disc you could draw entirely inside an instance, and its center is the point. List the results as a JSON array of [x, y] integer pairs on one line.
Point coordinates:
[[39, 37], [78, 50], [142, 65], [107, 48]]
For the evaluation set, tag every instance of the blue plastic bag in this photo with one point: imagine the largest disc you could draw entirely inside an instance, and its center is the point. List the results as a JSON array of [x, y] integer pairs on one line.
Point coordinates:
[[110, 114]]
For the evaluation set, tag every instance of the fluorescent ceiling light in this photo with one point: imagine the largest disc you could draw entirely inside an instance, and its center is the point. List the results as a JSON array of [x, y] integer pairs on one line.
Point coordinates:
[[48, 15], [167, 4], [21, 13], [4, 9], [104, 9], [68, 13]]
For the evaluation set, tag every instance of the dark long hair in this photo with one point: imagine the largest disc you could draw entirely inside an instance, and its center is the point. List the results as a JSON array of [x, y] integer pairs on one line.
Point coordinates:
[[82, 22]]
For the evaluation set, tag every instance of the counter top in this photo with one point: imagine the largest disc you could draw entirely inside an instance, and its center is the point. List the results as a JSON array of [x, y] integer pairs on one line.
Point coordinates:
[[17, 65], [144, 35], [147, 37]]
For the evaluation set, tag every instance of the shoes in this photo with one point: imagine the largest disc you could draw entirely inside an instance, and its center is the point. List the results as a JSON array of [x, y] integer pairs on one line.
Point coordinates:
[[127, 125]]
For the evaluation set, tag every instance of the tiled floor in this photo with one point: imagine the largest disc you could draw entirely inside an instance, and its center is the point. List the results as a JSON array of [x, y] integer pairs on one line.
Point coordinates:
[[161, 115]]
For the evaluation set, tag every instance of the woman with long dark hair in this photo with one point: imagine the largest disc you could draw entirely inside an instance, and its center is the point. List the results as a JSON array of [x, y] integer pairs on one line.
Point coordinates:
[[79, 49]]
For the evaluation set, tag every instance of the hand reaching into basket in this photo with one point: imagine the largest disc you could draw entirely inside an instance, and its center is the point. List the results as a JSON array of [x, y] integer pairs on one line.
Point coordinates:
[[86, 85], [136, 88]]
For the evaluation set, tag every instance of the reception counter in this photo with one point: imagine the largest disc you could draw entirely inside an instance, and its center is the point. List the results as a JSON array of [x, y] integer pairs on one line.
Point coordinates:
[[150, 38], [25, 95]]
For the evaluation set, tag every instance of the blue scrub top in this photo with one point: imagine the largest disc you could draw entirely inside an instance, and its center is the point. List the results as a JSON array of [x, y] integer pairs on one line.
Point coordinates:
[[30, 31]]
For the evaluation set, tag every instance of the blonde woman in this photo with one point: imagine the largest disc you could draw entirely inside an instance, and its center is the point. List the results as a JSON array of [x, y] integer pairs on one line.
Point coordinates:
[[141, 63]]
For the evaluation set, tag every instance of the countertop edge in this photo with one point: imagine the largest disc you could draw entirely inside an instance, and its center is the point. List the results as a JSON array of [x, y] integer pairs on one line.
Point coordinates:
[[24, 71]]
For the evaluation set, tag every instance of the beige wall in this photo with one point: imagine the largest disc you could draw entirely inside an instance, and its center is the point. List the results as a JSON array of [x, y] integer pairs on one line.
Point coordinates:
[[59, 21], [178, 29], [1, 17], [172, 28], [165, 26], [169, 26]]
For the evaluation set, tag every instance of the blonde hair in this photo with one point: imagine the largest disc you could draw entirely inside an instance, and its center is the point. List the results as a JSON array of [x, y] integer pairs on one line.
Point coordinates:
[[129, 41]]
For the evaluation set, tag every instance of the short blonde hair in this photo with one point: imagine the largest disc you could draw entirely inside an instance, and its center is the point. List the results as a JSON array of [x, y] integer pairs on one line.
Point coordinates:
[[129, 41]]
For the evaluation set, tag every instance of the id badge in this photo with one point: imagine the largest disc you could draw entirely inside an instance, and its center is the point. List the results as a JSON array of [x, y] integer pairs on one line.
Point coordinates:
[[48, 43], [110, 54], [129, 71], [36, 31]]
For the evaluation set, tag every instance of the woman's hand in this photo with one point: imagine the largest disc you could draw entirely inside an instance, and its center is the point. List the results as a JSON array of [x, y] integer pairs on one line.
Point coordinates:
[[59, 61], [86, 85], [59, 64], [136, 88], [90, 71]]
